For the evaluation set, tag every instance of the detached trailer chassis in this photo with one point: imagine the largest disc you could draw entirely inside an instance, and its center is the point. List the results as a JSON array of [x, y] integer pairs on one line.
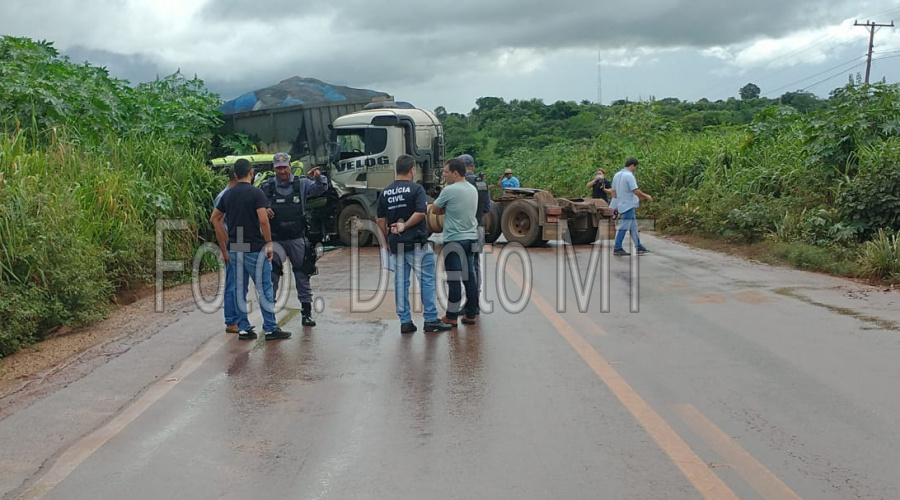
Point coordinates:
[[531, 217]]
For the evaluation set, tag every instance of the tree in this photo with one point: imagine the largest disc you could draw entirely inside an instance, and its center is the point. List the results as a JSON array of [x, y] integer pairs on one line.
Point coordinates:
[[749, 91], [800, 100]]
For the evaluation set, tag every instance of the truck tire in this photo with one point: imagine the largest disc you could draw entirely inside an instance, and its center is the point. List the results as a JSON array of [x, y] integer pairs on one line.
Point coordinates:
[[348, 213], [492, 223], [583, 236], [520, 223]]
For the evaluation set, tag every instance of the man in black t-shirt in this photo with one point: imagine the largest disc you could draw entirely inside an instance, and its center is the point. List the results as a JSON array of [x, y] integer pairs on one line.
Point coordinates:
[[401, 217], [600, 186], [248, 239]]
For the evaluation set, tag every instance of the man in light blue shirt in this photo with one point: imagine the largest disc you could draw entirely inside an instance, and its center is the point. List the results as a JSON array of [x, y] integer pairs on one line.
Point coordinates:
[[508, 180], [626, 201], [458, 202]]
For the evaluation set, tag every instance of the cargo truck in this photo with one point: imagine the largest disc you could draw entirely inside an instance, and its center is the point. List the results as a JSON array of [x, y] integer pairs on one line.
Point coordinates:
[[354, 135]]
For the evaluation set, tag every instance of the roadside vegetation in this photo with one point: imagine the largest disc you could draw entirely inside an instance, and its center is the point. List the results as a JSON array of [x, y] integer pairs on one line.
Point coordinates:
[[814, 182], [88, 164]]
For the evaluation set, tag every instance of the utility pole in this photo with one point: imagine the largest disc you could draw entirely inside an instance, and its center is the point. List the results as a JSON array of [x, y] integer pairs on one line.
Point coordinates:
[[599, 86], [871, 26]]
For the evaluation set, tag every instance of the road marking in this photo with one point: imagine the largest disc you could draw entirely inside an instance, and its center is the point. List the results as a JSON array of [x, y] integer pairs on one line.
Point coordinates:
[[83, 449], [696, 470], [76, 454], [766, 484]]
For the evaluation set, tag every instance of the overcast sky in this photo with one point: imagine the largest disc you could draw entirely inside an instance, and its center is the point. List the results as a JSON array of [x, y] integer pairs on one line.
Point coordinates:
[[451, 53]]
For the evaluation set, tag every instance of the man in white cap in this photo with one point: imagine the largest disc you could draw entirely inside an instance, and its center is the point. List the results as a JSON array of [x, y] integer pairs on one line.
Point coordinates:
[[508, 180], [287, 196]]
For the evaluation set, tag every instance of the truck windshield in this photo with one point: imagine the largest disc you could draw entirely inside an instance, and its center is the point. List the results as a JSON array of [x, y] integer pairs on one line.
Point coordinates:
[[360, 142]]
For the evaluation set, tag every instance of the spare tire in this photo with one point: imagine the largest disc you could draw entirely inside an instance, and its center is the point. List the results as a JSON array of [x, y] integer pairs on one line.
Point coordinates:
[[520, 223]]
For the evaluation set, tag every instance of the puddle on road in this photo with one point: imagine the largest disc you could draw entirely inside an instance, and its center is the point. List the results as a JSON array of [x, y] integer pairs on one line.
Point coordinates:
[[881, 323]]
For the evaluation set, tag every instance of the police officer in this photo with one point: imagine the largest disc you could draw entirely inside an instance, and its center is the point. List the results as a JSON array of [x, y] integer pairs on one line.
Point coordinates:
[[484, 206], [287, 195]]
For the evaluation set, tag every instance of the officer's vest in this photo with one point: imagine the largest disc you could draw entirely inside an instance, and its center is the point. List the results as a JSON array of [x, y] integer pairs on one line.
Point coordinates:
[[289, 222], [483, 192]]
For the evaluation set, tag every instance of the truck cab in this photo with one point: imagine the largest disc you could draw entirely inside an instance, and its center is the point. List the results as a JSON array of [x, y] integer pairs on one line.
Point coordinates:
[[365, 148]]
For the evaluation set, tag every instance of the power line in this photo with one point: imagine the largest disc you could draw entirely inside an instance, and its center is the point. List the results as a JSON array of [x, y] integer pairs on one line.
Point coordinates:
[[845, 63], [840, 73]]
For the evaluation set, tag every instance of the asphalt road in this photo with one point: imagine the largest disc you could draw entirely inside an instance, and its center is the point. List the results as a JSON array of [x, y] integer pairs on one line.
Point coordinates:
[[681, 375]]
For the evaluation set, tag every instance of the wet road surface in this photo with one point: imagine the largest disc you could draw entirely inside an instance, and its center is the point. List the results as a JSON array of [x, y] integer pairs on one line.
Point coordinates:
[[733, 380]]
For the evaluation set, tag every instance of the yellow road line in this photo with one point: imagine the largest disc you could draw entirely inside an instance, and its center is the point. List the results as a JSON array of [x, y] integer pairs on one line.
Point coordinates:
[[766, 484], [696, 470]]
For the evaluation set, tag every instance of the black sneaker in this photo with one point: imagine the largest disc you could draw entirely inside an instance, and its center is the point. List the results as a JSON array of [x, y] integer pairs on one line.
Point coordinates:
[[619, 252], [437, 326], [642, 251], [308, 321], [408, 327], [249, 334], [277, 333]]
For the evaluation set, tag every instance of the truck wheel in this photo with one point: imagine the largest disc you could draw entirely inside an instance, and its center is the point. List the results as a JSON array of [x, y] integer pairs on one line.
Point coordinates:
[[583, 236], [492, 223], [348, 214], [520, 223]]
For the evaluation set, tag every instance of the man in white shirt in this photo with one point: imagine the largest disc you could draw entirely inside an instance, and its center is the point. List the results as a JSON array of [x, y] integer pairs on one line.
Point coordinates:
[[627, 200]]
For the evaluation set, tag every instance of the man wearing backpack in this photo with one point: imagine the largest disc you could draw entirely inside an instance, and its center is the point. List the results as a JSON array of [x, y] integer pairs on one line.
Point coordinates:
[[287, 196]]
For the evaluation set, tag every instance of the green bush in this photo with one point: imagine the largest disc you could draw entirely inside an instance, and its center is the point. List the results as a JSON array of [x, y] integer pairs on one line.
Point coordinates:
[[880, 257]]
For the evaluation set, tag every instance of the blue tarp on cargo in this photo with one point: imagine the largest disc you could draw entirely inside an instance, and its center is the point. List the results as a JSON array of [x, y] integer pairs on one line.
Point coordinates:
[[297, 90]]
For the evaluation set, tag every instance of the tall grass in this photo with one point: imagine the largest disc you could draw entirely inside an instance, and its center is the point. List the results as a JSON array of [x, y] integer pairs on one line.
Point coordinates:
[[78, 223]]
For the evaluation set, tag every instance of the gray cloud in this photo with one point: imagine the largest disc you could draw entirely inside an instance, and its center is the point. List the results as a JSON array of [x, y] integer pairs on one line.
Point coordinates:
[[237, 46], [541, 24]]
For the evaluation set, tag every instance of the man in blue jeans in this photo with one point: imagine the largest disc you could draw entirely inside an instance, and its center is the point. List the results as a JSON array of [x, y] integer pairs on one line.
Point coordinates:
[[248, 243], [626, 200], [401, 216], [458, 203], [229, 305]]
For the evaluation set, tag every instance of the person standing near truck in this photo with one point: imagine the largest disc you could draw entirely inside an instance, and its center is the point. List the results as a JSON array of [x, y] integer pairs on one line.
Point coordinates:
[[401, 217], [248, 238], [458, 203], [229, 305], [484, 206], [508, 180], [600, 186], [287, 195], [627, 196]]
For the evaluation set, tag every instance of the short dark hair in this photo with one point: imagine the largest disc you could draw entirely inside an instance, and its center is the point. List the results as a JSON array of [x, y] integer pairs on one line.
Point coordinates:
[[405, 163], [631, 161], [458, 166], [242, 168], [230, 173]]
